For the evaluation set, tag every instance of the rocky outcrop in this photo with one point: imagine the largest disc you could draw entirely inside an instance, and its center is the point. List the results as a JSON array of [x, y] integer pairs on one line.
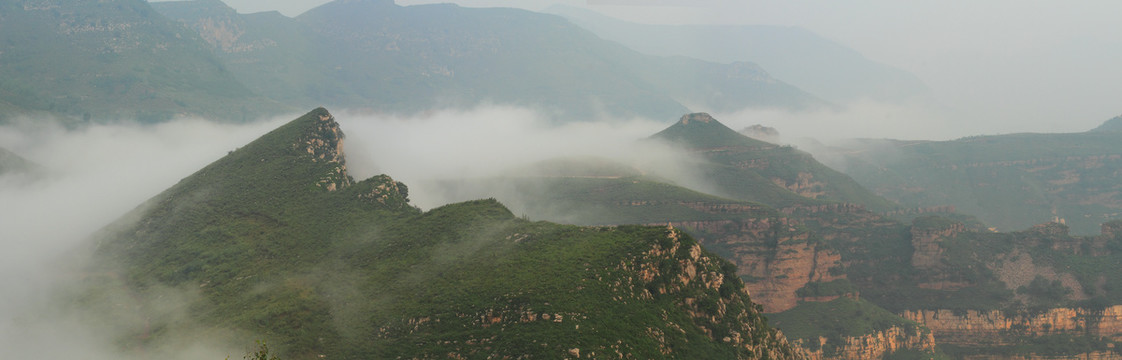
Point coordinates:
[[673, 268], [836, 208], [710, 298], [324, 143], [944, 209], [803, 184], [772, 254], [795, 264], [699, 117], [868, 347], [1093, 355], [990, 328], [925, 241], [760, 132]]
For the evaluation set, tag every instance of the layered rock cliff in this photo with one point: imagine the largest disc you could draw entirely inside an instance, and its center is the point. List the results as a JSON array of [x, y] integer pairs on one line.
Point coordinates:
[[926, 235], [867, 347], [773, 254], [988, 328]]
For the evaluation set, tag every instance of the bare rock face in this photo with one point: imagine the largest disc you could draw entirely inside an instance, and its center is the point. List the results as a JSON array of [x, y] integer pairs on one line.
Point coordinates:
[[760, 132], [872, 346], [993, 328], [324, 143], [804, 184], [796, 264], [700, 117], [778, 264], [700, 278], [926, 240]]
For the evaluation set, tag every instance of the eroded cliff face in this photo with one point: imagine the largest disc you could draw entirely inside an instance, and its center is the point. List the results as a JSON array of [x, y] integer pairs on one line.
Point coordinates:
[[1093, 355], [926, 243], [990, 328], [779, 255], [324, 143], [868, 347], [803, 184], [773, 254], [794, 265]]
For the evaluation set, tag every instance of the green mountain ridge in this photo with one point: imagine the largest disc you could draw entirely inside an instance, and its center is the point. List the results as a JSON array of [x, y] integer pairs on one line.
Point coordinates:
[[279, 242], [748, 169]]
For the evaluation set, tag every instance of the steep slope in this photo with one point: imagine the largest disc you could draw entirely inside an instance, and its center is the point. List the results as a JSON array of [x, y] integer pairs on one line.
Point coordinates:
[[795, 55], [390, 58], [111, 60], [1010, 182], [748, 169], [276, 240]]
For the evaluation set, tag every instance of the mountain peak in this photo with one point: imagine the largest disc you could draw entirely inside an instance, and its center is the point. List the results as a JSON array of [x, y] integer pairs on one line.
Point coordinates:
[[700, 130], [323, 140], [701, 117]]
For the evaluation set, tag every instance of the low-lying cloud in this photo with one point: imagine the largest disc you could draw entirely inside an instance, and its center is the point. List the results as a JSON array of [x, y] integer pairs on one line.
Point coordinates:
[[490, 141], [90, 176], [860, 119]]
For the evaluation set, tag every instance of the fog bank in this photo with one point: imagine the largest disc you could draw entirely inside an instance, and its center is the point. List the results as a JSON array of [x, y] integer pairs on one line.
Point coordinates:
[[92, 175], [490, 141]]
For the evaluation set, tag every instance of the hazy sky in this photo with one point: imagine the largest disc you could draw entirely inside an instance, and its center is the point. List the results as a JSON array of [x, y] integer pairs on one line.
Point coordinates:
[[1007, 65]]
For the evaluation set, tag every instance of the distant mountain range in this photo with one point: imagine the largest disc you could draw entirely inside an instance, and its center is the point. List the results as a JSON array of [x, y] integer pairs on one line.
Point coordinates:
[[125, 59], [112, 60], [1010, 182], [797, 56], [384, 57]]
